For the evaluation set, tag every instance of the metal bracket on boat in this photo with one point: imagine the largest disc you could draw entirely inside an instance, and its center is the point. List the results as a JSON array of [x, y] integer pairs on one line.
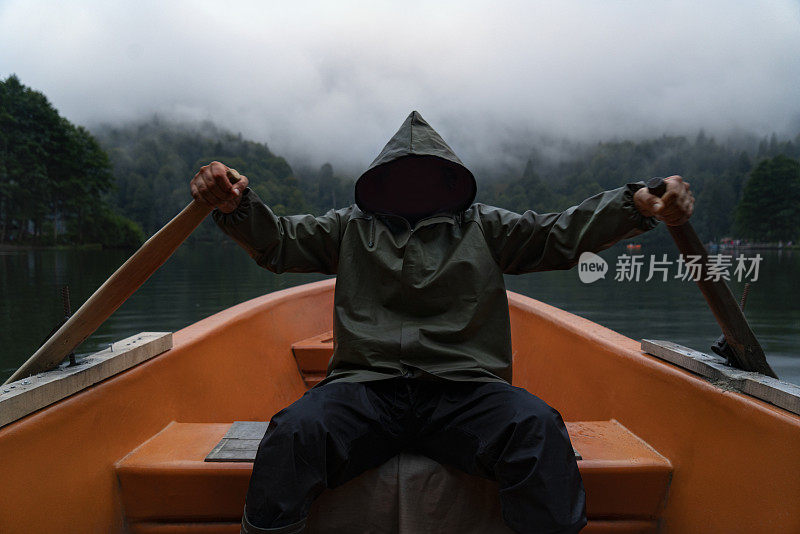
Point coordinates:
[[67, 314], [721, 346], [715, 369], [25, 396], [65, 302]]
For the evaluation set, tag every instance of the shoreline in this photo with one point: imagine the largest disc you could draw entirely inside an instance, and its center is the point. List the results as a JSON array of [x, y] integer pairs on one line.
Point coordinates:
[[7, 247], [87, 246]]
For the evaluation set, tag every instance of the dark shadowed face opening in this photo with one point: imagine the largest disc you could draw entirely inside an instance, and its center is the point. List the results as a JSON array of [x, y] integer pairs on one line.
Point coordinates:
[[416, 187]]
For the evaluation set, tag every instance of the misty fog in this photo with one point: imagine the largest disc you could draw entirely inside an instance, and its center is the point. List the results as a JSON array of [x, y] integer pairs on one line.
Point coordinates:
[[331, 81]]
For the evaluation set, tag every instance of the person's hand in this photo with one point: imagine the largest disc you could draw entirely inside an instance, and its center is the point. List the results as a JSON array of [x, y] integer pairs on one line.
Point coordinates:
[[674, 207], [211, 185]]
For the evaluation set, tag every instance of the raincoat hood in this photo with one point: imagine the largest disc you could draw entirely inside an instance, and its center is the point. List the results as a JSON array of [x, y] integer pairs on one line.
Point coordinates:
[[416, 173]]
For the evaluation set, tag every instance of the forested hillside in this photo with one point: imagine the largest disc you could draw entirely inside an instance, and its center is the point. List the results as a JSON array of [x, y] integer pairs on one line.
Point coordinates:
[[154, 160], [718, 174], [54, 177], [61, 184]]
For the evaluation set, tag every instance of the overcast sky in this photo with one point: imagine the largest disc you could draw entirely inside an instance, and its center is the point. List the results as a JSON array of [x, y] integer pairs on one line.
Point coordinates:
[[334, 80]]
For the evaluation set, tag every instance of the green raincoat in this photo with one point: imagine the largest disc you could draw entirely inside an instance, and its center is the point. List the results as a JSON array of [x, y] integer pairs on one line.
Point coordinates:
[[427, 298]]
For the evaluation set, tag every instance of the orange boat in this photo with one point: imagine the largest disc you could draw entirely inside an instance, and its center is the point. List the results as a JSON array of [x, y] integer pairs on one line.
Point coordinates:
[[119, 446]]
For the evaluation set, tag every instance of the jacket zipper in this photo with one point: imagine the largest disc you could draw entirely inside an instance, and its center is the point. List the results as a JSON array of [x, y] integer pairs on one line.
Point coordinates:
[[457, 217], [372, 232]]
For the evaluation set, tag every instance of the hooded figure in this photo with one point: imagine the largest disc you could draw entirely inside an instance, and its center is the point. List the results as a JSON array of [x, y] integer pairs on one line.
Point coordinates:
[[422, 354], [415, 175]]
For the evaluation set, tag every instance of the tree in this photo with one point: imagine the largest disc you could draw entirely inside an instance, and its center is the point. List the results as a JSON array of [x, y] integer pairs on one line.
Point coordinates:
[[154, 160], [717, 173], [715, 207], [327, 186], [50, 171], [770, 205], [31, 131]]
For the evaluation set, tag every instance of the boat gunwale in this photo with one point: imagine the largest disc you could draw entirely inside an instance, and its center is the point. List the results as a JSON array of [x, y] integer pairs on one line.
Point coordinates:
[[626, 347], [95, 500]]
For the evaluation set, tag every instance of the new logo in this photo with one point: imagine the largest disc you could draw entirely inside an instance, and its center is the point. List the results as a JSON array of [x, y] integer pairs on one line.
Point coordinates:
[[591, 267]]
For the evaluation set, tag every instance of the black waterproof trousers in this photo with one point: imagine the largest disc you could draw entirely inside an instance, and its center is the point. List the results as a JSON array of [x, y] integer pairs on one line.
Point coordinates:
[[492, 429]]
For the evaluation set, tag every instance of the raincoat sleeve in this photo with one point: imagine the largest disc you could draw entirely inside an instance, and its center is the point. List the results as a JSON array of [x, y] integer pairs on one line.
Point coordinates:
[[538, 242], [296, 243]]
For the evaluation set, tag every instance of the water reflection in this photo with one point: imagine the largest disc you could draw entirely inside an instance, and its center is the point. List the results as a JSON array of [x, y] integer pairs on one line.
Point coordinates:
[[203, 279]]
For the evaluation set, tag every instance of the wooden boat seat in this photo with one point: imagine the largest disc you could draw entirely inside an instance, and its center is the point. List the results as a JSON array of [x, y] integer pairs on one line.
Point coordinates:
[[312, 356], [166, 486]]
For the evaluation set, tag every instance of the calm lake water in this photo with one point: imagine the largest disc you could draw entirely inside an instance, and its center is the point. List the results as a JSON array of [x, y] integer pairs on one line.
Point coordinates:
[[202, 279]]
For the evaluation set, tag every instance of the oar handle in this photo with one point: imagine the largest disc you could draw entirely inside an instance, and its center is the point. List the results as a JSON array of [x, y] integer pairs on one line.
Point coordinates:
[[656, 186], [747, 352], [233, 176], [117, 289]]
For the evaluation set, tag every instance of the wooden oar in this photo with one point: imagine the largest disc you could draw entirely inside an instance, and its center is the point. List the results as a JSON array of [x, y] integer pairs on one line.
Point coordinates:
[[116, 290], [747, 352]]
